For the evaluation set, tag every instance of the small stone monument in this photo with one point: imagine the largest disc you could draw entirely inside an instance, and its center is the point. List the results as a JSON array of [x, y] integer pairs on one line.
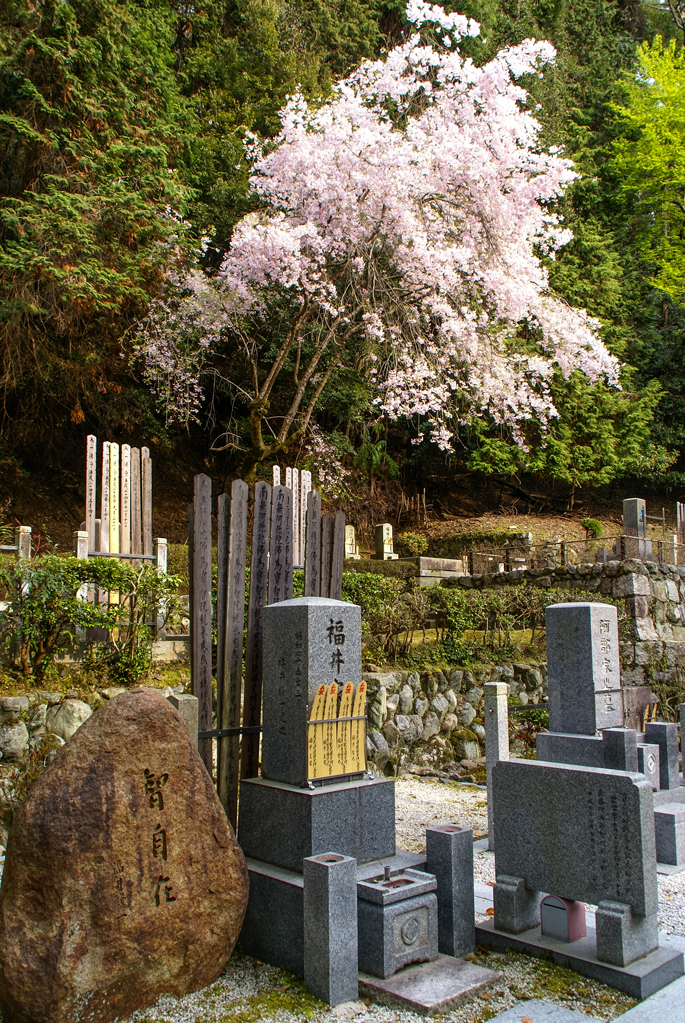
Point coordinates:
[[384, 548], [351, 546], [635, 517], [583, 668], [123, 880]]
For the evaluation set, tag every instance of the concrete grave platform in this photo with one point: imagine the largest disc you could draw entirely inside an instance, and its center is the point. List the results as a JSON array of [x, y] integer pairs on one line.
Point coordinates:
[[640, 979], [667, 1006], [544, 1012], [429, 988]]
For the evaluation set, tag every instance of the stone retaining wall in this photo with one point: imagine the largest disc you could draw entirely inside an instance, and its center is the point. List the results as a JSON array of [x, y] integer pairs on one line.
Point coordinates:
[[408, 709], [654, 595]]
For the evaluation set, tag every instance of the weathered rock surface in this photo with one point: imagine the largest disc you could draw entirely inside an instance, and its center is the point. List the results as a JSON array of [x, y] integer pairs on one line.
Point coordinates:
[[123, 879], [65, 719], [14, 739]]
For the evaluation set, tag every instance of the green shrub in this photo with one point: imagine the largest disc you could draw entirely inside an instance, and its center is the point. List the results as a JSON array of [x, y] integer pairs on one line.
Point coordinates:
[[412, 545], [593, 528], [46, 605], [495, 614]]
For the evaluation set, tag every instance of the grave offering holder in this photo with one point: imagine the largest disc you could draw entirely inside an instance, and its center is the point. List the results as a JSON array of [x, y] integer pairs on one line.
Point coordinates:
[[336, 744]]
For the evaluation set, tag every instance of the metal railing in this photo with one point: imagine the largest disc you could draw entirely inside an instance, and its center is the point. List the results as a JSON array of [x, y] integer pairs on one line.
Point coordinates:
[[553, 554]]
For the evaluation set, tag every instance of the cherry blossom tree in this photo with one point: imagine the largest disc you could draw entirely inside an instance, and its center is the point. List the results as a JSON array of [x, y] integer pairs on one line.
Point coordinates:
[[403, 219]]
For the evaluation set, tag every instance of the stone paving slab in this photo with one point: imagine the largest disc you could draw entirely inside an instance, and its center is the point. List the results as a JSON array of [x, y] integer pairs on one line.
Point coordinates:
[[544, 1012], [666, 1006], [428, 988]]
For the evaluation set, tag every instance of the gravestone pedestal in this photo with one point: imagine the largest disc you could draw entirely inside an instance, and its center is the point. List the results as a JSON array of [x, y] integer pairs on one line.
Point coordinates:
[[623, 937], [284, 824]]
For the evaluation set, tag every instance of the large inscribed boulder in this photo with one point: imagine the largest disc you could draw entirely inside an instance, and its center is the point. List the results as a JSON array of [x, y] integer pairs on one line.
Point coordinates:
[[123, 879]]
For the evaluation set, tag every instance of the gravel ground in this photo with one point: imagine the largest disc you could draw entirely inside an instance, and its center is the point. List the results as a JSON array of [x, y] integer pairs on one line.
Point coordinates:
[[250, 991]]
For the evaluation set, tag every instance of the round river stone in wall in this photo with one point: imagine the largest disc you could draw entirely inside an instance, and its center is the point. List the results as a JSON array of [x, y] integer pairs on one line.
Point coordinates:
[[123, 879]]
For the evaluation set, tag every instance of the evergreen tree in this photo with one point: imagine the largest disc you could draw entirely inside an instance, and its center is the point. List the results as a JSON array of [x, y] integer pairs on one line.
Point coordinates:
[[90, 122]]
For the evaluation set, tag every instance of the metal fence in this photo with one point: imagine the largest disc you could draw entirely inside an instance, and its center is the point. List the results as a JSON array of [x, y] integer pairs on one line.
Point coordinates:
[[553, 554]]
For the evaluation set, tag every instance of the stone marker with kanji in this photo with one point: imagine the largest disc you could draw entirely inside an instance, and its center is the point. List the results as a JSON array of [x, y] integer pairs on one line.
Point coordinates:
[[123, 880]]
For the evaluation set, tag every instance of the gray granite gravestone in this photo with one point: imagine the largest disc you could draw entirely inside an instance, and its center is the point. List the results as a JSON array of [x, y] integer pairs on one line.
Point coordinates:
[[284, 817], [635, 517], [583, 668], [302, 830], [307, 641], [583, 834], [577, 832]]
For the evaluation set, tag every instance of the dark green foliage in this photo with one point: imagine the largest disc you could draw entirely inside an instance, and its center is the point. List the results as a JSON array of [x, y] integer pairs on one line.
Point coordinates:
[[116, 113], [90, 120]]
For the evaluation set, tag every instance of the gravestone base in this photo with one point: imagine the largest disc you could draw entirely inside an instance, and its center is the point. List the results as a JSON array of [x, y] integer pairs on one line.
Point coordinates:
[[517, 908], [427, 988], [623, 938], [283, 824], [640, 979], [273, 930], [669, 826]]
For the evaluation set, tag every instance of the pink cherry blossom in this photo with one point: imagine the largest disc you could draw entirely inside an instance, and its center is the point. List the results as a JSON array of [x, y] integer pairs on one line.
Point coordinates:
[[409, 209]]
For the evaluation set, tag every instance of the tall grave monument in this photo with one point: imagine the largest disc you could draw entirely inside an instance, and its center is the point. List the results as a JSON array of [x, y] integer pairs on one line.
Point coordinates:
[[329, 893], [586, 718], [579, 823]]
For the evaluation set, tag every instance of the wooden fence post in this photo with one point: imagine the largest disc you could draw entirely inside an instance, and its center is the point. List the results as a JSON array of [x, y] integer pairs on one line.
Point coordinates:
[[338, 556], [91, 488], [253, 656], [146, 469], [281, 546], [125, 499], [298, 539], [326, 554], [104, 500], [136, 513], [234, 624], [114, 499], [223, 526], [312, 558], [191, 569], [202, 610]]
